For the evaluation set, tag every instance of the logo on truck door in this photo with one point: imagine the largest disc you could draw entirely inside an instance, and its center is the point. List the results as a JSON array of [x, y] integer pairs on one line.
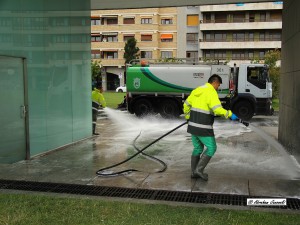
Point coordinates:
[[137, 83], [198, 75]]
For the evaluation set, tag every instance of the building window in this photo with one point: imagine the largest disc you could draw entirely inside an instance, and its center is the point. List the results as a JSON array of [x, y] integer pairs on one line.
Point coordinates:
[[95, 38], [146, 54], [207, 18], [251, 17], [275, 36], [238, 36], [262, 17], [250, 55], [207, 37], [111, 55], [166, 21], [220, 17], [146, 37], [208, 54], [238, 17], [166, 37], [251, 36], [128, 21], [220, 36], [166, 54], [95, 22], [192, 38], [126, 37], [192, 54], [261, 54], [110, 37], [276, 15], [219, 54], [112, 21], [146, 20], [95, 54], [238, 54], [262, 36], [192, 20]]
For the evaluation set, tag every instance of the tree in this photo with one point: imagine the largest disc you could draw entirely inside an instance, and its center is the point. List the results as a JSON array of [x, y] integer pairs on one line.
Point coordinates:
[[96, 71], [131, 51], [271, 58]]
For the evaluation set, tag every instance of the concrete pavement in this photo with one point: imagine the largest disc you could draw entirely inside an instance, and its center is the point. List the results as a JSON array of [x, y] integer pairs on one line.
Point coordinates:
[[245, 162]]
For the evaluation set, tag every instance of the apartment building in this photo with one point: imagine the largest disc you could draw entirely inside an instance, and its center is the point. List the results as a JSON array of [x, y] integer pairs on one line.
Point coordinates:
[[155, 30], [234, 33]]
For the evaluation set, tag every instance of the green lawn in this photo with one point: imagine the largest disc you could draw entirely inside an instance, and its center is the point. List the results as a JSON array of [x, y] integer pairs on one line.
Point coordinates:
[[275, 104], [22, 209], [113, 98]]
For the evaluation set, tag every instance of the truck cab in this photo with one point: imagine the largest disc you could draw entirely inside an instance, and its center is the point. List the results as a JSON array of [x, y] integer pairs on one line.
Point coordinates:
[[253, 91]]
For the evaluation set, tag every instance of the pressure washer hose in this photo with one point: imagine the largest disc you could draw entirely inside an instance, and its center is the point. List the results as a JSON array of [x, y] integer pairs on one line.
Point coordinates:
[[101, 172]]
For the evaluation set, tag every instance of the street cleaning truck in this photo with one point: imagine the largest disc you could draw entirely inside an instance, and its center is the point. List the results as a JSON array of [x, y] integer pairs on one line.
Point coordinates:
[[162, 88]]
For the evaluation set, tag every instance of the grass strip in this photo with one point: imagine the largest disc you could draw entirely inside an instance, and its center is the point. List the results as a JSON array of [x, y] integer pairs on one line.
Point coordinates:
[[24, 209]]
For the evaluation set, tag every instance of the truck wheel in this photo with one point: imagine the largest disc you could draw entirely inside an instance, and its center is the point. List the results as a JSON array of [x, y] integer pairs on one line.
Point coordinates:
[[243, 110], [169, 109], [142, 107]]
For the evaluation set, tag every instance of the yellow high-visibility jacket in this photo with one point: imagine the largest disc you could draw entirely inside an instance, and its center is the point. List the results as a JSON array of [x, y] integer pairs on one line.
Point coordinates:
[[201, 107], [97, 99]]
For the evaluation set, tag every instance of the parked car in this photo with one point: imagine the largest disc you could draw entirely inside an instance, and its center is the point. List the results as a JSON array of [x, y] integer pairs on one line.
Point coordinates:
[[121, 89]]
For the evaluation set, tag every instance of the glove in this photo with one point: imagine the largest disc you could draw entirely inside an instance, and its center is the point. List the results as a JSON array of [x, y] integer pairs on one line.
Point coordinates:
[[234, 117]]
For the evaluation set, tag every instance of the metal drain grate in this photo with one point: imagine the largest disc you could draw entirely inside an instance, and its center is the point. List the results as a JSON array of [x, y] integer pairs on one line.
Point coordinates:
[[162, 195]]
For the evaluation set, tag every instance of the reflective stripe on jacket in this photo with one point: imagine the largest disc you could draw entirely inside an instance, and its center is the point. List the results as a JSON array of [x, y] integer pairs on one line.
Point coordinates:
[[97, 99], [201, 107]]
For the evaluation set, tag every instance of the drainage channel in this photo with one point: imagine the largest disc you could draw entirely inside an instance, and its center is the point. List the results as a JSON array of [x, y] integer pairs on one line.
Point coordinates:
[[161, 195]]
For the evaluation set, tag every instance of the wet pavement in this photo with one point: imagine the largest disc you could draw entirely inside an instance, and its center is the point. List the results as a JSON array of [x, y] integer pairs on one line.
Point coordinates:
[[246, 162]]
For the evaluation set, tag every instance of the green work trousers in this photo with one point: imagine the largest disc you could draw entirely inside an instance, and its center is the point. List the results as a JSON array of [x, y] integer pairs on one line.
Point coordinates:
[[199, 142]]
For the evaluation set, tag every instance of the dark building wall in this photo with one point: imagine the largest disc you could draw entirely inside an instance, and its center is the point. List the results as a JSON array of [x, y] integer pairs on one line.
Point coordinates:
[[289, 118]]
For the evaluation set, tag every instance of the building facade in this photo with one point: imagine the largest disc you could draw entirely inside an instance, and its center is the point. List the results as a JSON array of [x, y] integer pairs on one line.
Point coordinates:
[[232, 33], [155, 30]]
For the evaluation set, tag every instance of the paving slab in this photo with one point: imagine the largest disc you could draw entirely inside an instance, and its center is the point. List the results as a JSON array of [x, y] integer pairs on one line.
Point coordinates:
[[276, 188]]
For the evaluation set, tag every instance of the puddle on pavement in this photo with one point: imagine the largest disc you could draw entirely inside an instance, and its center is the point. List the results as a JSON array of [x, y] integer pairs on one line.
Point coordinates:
[[237, 153]]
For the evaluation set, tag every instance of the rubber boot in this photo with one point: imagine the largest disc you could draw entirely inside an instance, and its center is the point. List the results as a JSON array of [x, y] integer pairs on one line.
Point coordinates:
[[201, 166], [94, 129], [194, 162]]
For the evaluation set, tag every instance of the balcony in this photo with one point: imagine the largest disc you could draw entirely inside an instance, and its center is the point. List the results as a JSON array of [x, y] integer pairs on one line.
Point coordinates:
[[240, 44], [108, 45], [239, 25], [112, 62]]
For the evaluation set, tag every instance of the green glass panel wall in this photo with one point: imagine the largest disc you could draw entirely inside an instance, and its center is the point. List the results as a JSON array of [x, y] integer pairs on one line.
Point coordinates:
[[54, 37]]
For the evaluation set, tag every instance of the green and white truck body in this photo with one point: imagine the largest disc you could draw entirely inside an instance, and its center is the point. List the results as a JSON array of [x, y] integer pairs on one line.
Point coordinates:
[[163, 88]]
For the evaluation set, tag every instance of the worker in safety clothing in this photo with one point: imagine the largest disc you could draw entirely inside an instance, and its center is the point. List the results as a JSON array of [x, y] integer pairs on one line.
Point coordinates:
[[200, 108], [97, 101]]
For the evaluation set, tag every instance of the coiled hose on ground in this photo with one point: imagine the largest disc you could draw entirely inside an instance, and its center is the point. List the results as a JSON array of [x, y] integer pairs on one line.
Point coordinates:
[[101, 172]]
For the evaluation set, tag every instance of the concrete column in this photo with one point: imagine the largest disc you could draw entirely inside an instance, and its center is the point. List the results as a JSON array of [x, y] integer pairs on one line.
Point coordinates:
[[289, 118]]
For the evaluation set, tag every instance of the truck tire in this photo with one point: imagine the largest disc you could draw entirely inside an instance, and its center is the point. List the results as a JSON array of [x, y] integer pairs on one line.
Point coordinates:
[[244, 110], [142, 107], [169, 109]]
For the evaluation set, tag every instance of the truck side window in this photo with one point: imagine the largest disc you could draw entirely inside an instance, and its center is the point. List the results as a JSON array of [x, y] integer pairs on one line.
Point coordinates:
[[256, 77]]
